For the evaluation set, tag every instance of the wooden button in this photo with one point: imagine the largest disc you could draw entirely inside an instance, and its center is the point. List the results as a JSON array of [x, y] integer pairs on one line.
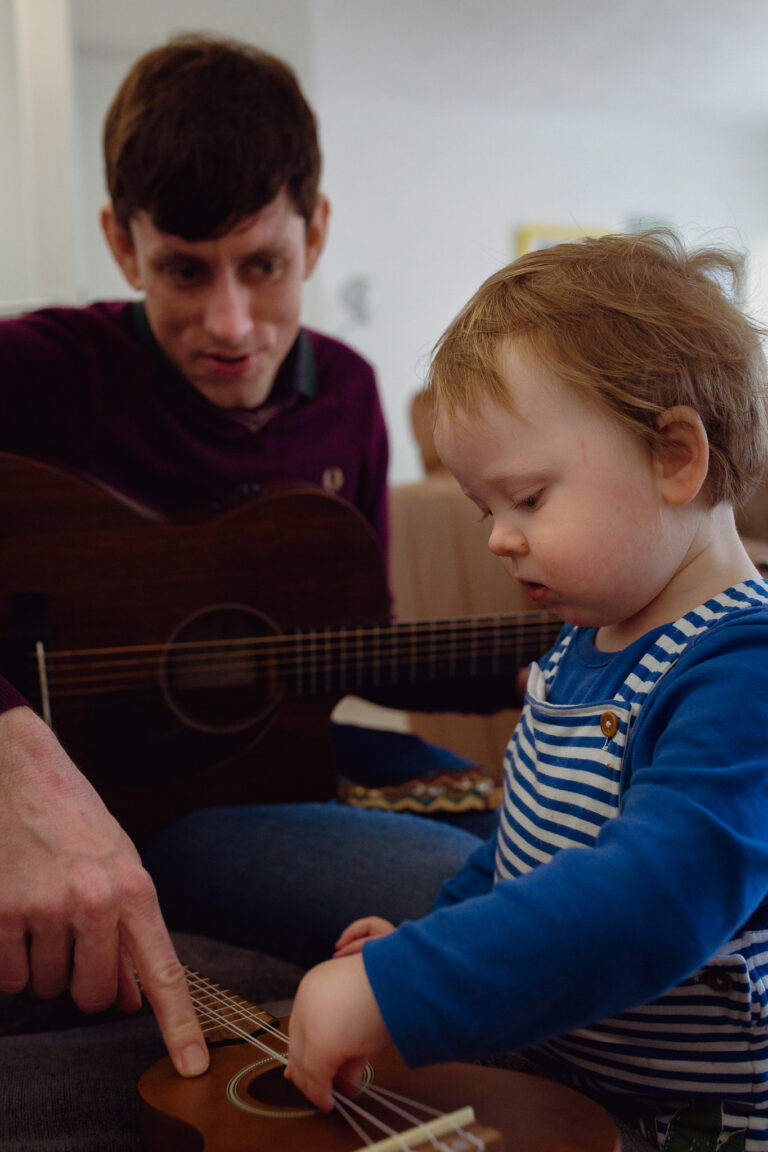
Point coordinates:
[[718, 980], [609, 723]]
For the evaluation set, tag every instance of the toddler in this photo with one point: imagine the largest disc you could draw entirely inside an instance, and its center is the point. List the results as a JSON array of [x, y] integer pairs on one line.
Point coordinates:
[[603, 404]]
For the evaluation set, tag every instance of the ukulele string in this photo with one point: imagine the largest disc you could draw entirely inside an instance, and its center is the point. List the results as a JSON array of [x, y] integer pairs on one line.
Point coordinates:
[[387, 1098], [343, 1104], [206, 996]]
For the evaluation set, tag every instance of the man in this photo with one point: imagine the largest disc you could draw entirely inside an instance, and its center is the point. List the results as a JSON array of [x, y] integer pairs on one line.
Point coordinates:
[[208, 384]]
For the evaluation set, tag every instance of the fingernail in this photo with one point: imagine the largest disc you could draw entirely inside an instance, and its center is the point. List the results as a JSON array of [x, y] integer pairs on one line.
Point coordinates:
[[194, 1060]]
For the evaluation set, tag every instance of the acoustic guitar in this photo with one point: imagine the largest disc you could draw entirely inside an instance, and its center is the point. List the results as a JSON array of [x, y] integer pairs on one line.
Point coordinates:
[[197, 663], [243, 1103]]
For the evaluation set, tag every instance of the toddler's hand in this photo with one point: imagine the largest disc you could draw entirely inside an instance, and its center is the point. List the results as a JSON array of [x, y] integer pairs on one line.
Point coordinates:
[[335, 1027], [355, 934]]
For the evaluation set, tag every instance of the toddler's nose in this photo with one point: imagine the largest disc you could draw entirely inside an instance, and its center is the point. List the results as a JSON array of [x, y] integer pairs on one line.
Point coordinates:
[[506, 540]]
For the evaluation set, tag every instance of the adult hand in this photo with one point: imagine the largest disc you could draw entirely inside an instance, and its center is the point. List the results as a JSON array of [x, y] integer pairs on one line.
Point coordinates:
[[355, 934], [335, 1027], [77, 909]]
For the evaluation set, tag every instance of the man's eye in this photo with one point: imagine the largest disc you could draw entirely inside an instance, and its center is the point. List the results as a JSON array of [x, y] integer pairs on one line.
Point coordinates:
[[185, 273], [266, 268]]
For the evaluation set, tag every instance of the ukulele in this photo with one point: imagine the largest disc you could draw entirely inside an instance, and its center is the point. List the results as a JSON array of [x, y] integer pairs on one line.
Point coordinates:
[[244, 1104], [194, 663]]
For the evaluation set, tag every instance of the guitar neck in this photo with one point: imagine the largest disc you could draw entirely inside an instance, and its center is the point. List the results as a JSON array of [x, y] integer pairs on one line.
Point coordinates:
[[412, 652]]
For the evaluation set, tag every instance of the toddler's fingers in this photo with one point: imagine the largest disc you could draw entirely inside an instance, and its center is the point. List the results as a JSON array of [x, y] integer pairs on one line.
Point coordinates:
[[352, 931], [350, 948], [363, 930]]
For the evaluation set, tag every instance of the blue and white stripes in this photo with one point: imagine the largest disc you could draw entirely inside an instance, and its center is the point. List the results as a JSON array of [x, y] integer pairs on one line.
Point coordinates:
[[708, 1037]]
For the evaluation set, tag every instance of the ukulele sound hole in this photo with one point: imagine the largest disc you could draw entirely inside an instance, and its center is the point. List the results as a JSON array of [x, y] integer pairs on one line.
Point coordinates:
[[221, 670], [275, 1091], [262, 1089]]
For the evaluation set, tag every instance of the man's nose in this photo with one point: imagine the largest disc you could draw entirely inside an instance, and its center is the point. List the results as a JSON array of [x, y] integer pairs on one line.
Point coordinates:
[[228, 310]]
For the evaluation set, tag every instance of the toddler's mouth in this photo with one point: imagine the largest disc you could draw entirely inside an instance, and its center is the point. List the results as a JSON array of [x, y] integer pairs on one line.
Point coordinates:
[[534, 590]]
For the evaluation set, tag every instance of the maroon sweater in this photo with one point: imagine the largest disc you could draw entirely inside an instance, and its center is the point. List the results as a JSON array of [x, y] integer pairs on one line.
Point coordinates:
[[89, 389]]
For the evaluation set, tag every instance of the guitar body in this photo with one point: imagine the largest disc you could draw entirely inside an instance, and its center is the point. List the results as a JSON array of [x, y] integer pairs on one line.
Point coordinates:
[[243, 1104], [87, 570]]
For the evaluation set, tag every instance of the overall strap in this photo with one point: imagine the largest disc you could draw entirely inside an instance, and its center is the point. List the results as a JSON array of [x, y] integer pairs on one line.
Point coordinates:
[[549, 667], [669, 645]]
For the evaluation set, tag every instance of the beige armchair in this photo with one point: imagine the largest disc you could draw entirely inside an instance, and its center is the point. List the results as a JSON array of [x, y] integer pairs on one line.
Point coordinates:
[[440, 566]]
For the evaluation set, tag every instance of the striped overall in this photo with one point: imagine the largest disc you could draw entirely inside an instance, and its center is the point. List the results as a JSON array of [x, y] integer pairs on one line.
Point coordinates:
[[702, 1047]]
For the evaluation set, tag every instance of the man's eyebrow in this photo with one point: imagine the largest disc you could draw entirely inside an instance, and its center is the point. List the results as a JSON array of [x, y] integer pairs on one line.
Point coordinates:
[[279, 248], [174, 256]]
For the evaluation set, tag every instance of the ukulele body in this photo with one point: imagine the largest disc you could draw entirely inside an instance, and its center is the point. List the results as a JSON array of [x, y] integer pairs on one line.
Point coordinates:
[[243, 1104]]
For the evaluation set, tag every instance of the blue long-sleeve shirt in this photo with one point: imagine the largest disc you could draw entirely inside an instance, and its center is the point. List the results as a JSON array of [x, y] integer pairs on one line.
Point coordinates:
[[671, 877]]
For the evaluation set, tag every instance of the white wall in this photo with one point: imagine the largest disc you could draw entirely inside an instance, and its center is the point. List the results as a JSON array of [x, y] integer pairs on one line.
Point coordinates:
[[428, 184], [38, 157], [13, 282], [107, 41], [427, 201]]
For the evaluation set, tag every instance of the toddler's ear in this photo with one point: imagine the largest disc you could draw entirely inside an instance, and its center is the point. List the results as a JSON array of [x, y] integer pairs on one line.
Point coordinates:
[[683, 455]]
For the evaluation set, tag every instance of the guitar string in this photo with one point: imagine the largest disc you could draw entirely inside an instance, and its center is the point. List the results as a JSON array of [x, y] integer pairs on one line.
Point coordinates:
[[508, 620], [400, 634], [245, 1011], [238, 661]]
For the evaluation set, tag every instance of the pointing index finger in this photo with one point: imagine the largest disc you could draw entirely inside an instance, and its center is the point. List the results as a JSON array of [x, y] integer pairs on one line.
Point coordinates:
[[165, 985]]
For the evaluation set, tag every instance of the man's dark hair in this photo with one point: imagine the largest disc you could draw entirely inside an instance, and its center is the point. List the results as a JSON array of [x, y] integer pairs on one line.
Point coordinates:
[[203, 132]]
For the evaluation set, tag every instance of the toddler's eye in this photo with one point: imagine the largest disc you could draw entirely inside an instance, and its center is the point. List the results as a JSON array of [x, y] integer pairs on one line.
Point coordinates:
[[529, 501]]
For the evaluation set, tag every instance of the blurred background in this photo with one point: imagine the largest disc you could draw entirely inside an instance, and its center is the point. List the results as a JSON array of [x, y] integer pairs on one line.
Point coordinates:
[[453, 131]]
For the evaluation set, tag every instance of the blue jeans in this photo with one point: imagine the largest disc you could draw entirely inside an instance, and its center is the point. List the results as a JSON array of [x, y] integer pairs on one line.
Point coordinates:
[[285, 879]]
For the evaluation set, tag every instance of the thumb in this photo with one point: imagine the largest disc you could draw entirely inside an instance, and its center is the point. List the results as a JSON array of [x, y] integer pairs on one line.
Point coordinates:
[[351, 1075]]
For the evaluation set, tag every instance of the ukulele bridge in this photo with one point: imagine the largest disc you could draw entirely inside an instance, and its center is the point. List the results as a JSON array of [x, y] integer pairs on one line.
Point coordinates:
[[458, 1132]]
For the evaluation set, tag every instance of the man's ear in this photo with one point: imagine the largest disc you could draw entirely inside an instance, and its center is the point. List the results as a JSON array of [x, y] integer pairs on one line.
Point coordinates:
[[683, 454], [317, 230], [121, 246]]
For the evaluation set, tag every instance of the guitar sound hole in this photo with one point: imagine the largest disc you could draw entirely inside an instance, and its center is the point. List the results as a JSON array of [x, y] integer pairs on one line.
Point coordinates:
[[220, 672]]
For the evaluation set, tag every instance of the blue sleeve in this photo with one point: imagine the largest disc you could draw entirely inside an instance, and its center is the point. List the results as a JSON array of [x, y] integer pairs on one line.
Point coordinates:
[[598, 930], [474, 879]]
